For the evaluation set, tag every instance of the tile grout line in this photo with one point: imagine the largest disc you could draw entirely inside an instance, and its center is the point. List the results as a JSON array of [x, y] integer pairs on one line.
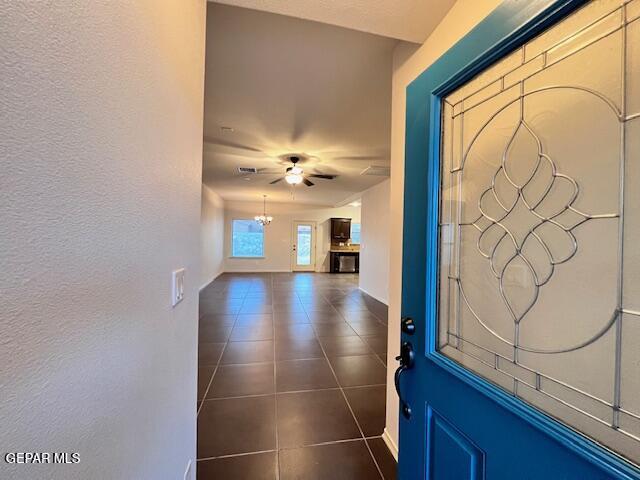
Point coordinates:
[[375, 354], [325, 356], [364, 438], [215, 370], [235, 455], [320, 444], [218, 363], [289, 392], [342, 389], [275, 383]]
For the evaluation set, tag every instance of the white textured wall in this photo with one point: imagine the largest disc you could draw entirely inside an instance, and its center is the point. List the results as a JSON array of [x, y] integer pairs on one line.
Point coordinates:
[[211, 236], [374, 248], [278, 235], [100, 175], [462, 17]]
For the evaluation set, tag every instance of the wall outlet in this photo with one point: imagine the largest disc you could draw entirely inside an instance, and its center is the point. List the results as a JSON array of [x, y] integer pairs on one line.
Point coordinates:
[[177, 286]]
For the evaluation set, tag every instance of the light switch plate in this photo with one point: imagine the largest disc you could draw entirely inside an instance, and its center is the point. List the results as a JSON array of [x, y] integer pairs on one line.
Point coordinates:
[[177, 286]]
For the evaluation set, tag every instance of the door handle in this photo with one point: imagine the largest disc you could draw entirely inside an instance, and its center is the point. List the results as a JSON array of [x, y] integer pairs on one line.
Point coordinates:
[[407, 359]]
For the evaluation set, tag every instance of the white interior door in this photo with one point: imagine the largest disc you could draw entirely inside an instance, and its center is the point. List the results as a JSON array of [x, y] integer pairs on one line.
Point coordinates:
[[303, 252]]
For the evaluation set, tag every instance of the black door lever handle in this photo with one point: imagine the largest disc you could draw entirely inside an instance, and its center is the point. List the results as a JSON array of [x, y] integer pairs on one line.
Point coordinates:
[[406, 359]]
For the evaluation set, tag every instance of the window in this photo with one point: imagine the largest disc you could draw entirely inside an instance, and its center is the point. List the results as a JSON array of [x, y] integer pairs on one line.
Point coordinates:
[[355, 233], [247, 239], [304, 244]]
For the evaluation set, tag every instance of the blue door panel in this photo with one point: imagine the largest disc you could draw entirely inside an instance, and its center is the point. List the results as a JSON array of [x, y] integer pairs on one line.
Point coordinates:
[[451, 453], [468, 428], [515, 449]]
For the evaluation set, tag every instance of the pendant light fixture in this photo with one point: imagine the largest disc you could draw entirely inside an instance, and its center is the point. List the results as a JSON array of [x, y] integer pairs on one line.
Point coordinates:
[[264, 219]]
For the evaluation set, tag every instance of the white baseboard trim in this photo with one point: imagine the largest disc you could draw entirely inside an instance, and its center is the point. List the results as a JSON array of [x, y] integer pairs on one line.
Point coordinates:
[[188, 473], [211, 280], [267, 270], [386, 302], [391, 445], [259, 270]]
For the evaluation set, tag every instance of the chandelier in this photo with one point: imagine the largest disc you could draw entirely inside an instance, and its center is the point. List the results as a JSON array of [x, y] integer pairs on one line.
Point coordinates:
[[264, 219]]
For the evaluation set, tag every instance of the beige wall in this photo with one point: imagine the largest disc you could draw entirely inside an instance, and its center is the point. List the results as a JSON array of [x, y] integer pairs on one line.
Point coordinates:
[[211, 236], [374, 247], [279, 234], [101, 159], [463, 16]]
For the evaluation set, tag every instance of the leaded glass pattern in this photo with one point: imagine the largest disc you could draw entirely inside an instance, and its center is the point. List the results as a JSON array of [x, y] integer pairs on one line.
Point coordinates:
[[539, 219]]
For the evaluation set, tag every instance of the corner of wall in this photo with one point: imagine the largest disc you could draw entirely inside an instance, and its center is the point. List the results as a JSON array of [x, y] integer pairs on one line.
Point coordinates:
[[375, 241], [408, 63], [211, 236]]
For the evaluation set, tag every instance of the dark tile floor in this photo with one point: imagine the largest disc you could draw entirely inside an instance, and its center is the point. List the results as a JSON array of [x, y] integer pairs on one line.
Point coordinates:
[[291, 379]]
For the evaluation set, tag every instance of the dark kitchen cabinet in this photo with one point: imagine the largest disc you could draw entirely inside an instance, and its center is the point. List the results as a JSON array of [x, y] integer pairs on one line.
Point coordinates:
[[340, 229]]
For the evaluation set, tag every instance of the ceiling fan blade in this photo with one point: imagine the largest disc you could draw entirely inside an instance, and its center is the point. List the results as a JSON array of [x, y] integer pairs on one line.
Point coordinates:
[[308, 182], [216, 145], [276, 180], [269, 171], [320, 175], [364, 158]]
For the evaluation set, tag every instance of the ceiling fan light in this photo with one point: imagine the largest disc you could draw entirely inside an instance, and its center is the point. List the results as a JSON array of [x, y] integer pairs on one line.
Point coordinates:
[[295, 170], [293, 178]]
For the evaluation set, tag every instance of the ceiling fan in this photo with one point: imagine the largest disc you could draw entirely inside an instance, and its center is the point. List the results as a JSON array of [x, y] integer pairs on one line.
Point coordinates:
[[295, 175]]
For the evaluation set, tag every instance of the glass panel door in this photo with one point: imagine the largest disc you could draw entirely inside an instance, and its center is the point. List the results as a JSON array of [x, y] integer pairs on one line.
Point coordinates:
[[304, 246], [539, 220]]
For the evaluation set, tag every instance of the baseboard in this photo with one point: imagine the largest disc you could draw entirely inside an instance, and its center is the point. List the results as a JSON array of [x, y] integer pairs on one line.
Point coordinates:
[[391, 445], [386, 302], [258, 270], [211, 280], [267, 270]]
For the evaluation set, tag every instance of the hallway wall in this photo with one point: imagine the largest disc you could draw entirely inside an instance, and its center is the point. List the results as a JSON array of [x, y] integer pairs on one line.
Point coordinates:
[[101, 128], [374, 249], [408, 64], [279, 234], [211, 236]]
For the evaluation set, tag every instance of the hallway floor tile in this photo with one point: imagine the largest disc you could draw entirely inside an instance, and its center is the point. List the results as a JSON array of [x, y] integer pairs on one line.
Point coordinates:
[[292, 373]]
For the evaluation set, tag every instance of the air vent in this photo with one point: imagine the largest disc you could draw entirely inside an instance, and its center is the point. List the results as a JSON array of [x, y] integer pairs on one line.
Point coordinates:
[[247, 170], [379, 171]]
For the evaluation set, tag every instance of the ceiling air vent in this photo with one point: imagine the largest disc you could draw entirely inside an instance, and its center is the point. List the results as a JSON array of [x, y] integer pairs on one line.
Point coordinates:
[[379, 171], [247, 170]]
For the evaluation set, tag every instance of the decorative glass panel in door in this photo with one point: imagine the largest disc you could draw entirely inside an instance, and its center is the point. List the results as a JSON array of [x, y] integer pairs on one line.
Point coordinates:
[[304, 245], [539, 229], [303, 252]]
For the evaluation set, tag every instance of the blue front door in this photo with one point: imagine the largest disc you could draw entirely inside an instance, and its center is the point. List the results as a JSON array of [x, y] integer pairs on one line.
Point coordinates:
[[521, 274]]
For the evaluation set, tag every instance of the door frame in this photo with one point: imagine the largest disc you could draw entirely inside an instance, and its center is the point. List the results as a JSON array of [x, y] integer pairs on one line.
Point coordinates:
[[505, 29], [294, 241]]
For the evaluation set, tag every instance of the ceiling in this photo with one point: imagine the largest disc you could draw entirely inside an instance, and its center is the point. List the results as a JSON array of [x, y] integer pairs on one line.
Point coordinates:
[[408, 20], [285, 85]]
